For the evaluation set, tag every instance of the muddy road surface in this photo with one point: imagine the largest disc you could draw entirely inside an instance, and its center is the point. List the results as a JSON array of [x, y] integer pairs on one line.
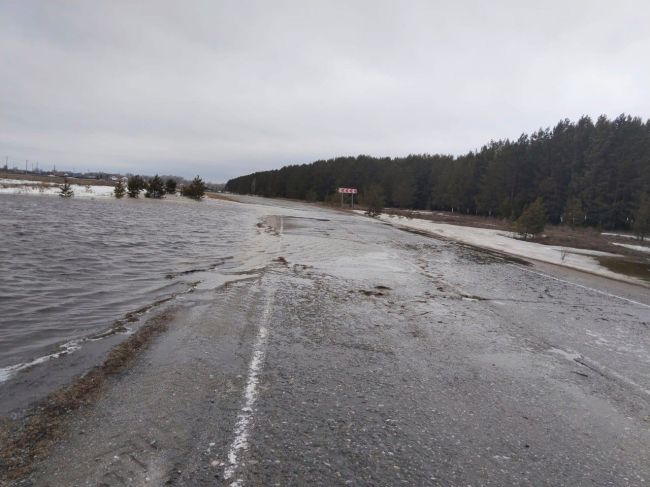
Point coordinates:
[[355, 353]]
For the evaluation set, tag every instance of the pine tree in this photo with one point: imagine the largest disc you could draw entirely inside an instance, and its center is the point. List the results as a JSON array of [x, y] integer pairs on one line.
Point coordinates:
[[605, 165], [641, 225], [373, 199], [66, 189], [574, 214], [532, 220], [194, 190], [155, 188], [170, 186], [404, 193], [119, 189], [134, 185]]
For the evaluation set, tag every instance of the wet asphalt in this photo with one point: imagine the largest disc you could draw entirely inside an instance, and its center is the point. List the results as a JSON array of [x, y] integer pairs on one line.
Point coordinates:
[[367, 355]]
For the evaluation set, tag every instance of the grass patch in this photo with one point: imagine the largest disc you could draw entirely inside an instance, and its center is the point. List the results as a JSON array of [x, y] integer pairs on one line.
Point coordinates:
[[26, 441]]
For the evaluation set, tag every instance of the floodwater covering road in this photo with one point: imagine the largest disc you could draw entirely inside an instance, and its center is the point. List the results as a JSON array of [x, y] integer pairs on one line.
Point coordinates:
[[356, 353]]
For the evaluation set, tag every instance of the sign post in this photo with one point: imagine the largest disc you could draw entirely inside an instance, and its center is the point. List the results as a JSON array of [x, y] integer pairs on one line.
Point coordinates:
[[351, 192]]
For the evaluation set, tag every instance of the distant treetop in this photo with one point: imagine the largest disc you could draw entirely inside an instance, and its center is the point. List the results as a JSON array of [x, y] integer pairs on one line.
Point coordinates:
[[584, 172]]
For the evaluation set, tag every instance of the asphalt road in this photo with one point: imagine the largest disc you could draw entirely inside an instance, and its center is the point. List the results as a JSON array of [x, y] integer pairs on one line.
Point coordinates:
[[367, 355]]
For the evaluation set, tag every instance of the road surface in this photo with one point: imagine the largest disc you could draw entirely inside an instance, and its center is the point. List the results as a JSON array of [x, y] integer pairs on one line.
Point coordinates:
[[356, 353]]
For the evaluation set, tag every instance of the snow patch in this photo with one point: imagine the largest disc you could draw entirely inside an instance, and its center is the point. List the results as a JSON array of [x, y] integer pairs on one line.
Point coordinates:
[[640, 248], [623, 235], [20, 186], [502, 241], [25, 182]]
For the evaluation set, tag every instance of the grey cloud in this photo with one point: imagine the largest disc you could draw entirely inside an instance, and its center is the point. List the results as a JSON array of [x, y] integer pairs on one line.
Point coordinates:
[[225, 88]]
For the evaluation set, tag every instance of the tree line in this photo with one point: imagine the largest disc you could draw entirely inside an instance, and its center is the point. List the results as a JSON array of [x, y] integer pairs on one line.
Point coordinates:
[[156, 188], [153, 187], [582, 173]]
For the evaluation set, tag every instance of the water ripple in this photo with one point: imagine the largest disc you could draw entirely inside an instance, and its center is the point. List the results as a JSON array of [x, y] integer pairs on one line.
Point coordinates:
[[72, 267]]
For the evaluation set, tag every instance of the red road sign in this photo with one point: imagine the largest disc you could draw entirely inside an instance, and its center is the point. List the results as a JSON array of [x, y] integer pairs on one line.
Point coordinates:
[[348, 190]]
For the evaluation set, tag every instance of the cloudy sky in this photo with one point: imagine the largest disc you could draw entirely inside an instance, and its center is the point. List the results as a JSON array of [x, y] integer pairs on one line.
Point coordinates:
[[224, 88]]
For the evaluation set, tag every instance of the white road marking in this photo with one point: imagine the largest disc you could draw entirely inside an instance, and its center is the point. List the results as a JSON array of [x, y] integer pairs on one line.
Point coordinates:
[[245, 416], [604, 293]]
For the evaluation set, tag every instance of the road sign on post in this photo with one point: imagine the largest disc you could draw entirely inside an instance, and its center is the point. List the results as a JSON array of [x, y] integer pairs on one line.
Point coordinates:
[[351, 192]]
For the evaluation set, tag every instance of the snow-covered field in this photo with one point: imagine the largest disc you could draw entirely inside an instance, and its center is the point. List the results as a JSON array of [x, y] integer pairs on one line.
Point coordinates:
[[501, 241], [22, 186]]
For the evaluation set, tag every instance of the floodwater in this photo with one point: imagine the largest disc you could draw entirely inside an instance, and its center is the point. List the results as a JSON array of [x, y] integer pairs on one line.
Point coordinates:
[[372, 356], [72, 268], [359, 354], [629, 267]]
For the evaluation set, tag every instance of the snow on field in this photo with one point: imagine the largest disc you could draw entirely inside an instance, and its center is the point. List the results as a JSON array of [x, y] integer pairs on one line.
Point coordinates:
[[640, 248], [20, 186], [502, 241], [22, 181], [624, 235]]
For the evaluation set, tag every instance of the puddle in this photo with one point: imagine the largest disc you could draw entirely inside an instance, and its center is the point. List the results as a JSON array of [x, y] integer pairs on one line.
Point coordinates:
[[629, 267]]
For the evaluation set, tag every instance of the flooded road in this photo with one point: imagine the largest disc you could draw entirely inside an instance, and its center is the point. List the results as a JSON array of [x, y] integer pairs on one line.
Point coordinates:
[[361, 354], [71, 268]]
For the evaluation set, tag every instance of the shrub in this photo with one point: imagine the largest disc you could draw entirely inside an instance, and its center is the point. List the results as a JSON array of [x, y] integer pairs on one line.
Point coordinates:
[[134, 185], [170, 186], [574, 214], [194, 190], [641, 226], [373, 199], [155, 188], [66, 189], [532, 220], [119, 189]]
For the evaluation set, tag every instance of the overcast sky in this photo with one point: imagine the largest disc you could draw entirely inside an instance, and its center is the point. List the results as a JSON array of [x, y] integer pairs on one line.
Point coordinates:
[[222, 89]]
